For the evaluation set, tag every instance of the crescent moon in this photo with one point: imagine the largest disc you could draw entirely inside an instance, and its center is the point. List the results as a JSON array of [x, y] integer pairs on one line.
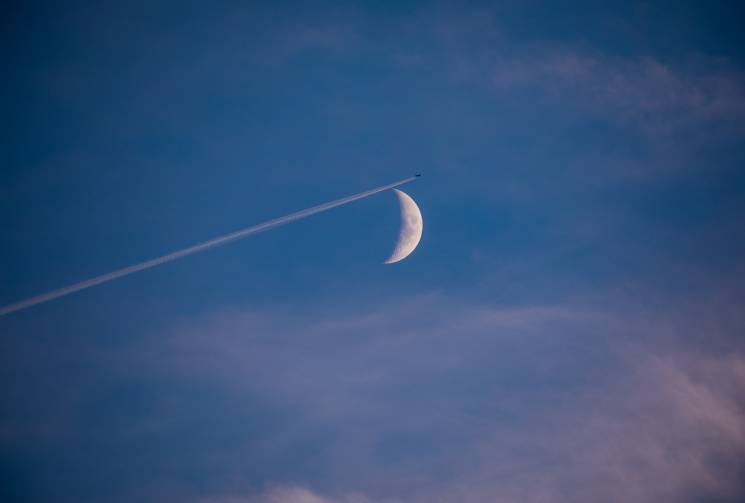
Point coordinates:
[[411, 228]]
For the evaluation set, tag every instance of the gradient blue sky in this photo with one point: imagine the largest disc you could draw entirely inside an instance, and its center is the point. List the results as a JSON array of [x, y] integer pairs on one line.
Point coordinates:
[[569, 330]]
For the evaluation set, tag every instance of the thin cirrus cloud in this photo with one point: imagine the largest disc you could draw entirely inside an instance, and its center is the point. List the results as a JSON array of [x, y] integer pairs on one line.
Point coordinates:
[[290, 494], [661, 98], [600, 407], [658, 98]]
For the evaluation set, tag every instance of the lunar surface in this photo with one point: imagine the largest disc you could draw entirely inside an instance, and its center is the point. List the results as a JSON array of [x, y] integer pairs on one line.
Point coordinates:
[[411, 228]]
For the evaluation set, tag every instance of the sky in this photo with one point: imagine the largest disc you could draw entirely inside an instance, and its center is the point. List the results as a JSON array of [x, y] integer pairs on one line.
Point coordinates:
[[570, 328]]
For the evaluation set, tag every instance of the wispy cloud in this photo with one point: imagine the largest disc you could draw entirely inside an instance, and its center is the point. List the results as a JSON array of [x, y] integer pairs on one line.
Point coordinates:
[[657, 432], [289, 494], [535, 403], [660, 99]]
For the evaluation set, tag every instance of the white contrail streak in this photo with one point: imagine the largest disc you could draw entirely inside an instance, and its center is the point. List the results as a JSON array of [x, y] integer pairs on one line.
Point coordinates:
[[212, 243]]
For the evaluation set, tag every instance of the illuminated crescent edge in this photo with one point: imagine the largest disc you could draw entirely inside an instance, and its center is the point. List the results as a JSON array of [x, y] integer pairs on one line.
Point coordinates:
[[412, 226]]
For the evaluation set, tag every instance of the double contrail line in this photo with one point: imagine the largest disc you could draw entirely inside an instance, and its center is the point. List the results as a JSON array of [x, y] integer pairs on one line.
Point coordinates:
[[206, 245]]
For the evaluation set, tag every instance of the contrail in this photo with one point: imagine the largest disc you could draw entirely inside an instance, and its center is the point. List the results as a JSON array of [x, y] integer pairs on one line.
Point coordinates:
[[212, 243]]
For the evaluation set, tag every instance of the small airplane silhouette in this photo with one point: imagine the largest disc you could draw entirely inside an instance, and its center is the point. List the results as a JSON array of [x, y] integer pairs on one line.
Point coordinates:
[[418, 174]]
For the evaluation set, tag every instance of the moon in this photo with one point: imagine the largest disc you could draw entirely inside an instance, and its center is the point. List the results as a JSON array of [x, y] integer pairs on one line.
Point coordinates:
[[411, 228]]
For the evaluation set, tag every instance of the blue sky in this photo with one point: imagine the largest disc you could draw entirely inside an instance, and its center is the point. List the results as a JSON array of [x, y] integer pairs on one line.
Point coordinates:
[[569, 329]]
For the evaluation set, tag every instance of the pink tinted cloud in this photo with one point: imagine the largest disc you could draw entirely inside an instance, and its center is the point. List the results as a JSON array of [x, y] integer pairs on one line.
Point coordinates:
[[659, 433], [666, 422], [289, 494], [664, 432]]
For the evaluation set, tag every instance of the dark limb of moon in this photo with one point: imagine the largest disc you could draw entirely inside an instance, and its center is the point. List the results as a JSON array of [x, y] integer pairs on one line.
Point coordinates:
[[212, 243]]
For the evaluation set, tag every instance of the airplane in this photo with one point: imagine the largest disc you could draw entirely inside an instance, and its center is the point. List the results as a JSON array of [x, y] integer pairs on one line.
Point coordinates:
[[418, 175]]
